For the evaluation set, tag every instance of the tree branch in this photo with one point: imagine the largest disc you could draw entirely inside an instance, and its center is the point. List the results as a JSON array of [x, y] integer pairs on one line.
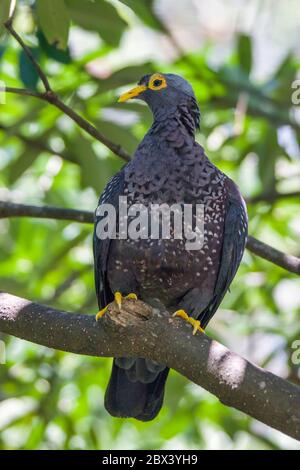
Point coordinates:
[[272, 197], [289, 262], [38, 143], [41, 74], [51, 97], [9, 209], [139, 330]]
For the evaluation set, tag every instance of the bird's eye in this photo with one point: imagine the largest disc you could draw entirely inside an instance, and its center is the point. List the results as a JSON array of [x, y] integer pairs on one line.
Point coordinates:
[[157, 83]]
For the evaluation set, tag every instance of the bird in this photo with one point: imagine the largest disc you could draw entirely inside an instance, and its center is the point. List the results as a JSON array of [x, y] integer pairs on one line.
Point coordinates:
[[168, 167]]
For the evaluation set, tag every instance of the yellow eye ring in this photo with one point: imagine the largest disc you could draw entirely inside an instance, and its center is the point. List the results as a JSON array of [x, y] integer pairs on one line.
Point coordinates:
[[157, 82]]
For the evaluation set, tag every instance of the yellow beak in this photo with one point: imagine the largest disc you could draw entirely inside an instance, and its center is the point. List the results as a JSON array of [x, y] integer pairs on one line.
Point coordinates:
[[136, 91]]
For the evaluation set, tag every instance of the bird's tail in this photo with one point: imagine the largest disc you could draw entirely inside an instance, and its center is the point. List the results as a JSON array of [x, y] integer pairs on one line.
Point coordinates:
[[134, 391]]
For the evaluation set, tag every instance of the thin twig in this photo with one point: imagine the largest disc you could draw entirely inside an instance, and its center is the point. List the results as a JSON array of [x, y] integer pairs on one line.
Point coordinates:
[[9, 209], [54, 100], [51, 97], [24, 92], [272, 197], [38, 144], [41, 74]]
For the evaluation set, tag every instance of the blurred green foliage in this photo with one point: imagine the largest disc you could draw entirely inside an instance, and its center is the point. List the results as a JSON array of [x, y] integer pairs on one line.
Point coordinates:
[[53, 400]]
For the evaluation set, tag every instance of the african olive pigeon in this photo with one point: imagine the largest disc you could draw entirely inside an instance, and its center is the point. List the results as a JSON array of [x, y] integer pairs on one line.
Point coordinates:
[[168, 167]]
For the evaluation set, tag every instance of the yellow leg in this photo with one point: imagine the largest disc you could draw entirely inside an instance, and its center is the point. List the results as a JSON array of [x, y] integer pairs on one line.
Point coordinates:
[[118, 299], [195, 323]]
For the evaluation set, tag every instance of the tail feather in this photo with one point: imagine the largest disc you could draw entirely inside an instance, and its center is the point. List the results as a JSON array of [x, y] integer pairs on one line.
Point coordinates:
[[127, 397]]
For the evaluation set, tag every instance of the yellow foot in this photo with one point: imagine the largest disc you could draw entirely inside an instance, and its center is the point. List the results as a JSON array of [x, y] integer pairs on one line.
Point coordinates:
[[101, 313], [195, 323], [118, 299]]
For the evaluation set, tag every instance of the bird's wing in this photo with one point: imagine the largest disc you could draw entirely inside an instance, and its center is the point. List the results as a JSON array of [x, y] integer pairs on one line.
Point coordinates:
[[101, 247], [234, 241]]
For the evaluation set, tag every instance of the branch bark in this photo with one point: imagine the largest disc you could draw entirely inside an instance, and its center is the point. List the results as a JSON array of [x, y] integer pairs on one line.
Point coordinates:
[[139, 330], [9, 209], [289, 262]]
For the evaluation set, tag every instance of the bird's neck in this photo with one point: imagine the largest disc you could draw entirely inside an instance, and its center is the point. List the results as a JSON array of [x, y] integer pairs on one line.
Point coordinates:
[[175, 118]]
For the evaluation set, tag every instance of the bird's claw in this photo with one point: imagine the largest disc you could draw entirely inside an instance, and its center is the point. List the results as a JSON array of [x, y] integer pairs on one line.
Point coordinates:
[[118, 299], [195, 323], [131, 296], [101, 313]]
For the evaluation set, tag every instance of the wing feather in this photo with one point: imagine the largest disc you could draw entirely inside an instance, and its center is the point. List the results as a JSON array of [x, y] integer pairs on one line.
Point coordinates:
[[234, 241], [101, 247]]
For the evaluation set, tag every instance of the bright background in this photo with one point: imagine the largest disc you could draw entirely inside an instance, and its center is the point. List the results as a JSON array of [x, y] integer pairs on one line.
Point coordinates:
[[242, 58]]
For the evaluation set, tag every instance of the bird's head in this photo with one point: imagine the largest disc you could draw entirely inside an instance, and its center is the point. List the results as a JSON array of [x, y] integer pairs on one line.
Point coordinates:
[[165, 93]]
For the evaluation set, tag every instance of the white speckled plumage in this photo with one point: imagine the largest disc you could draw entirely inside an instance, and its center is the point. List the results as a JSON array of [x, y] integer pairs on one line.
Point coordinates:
[[169, 166]]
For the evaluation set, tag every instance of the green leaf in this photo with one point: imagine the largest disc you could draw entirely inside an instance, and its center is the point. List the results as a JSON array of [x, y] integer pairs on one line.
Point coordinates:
[[267, 150], [98, 16], [5, 6], [282, 79], [124, 76], [53, 19], [144, 10], [119, 133], [52, 51], [28, 73], [2, 50], [245, 53], [94, 171], [19, 166]]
